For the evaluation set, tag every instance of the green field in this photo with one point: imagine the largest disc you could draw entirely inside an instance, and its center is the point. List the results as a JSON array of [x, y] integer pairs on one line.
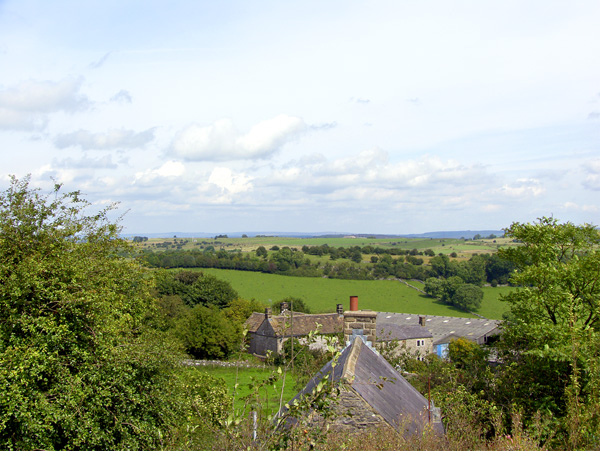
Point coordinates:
[[269, 395], [322, 294], [444, 246]]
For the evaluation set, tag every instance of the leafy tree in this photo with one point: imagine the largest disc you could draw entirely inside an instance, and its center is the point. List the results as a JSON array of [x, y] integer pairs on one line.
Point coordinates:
[[195, 287], [434, 287], [239, 310], [498, 269], [551, 346], [78, 368], [295, 304], [207, 333], [467, 296], [261, 251], [440, 265]]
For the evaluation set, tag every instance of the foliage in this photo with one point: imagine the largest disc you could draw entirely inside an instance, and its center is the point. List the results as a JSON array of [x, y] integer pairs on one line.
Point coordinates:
[[295, 304], [552, 341], [304, 361], [454, 291], [206, 333], [468, 297], [209, 397], [239, 310], [78, 369], [195, 287]]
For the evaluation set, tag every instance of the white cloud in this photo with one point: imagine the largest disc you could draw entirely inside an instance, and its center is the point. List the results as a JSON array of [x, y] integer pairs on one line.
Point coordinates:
[[523, 188], [576, 207], [113, 139], [229, 182], [592, 180], [104, 162], [170, 169], [27, 105], [370, 176], [122, 96], [221, 141]]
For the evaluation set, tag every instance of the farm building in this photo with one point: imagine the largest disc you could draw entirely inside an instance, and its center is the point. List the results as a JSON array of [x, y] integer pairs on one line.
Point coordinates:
[[415, 333], [372, 394], [267, 332], [443, 328]]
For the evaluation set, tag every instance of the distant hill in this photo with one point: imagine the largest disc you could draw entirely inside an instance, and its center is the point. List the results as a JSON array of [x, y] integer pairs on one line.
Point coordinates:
[[467, 234]]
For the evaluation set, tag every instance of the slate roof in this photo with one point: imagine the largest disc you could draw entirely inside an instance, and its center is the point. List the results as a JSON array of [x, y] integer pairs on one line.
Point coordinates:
[[443, 326], [378, 383], [392, 331], [254, 321], [303, 323]]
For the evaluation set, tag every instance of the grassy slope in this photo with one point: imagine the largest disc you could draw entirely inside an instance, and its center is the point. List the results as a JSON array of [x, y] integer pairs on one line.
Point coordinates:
[[322, 294]]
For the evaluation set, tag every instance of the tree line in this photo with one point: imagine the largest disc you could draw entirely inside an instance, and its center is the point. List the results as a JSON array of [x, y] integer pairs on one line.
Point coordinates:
[[343, 263]]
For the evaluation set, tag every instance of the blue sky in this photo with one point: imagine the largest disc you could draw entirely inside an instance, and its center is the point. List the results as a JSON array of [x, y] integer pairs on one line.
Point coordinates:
[[311, 116]]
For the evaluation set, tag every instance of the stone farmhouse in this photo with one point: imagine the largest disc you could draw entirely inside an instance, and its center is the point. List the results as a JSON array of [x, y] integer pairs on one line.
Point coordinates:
[[418, 334], [267, 333]]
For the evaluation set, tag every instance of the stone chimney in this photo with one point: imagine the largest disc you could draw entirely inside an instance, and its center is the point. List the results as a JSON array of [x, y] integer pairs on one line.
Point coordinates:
[[360, 323], [340, 309], [421, 321], [268, 312]]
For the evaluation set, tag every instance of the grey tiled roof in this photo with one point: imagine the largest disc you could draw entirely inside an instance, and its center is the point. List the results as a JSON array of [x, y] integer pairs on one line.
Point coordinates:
[[392, 331], [379, 385], [442, 326], [303, 324]]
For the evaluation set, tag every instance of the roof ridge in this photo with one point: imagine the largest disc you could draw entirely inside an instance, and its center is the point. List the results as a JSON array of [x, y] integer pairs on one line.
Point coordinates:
[[350, 366]]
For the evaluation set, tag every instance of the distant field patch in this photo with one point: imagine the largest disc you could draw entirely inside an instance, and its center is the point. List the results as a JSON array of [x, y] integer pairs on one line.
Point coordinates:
[[322, 294]]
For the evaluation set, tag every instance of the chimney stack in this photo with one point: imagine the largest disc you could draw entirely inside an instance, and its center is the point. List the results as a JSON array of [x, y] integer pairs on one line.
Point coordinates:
[[268, 312], [421, 321], [339, 309], [353, 303], [360, 323]]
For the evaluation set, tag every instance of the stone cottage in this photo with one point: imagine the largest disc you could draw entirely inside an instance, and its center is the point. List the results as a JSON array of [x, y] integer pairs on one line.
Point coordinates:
[[267, 332]]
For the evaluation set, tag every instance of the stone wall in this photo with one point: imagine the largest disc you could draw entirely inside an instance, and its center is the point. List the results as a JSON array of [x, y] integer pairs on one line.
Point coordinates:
[[360, 322]]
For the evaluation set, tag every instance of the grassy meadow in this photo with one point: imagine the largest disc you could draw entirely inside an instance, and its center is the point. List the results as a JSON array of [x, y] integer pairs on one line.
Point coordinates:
[[322, 294], [269, 395]]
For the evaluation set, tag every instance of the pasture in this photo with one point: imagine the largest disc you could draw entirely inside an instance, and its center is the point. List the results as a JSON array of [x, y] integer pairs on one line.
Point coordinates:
[[322, 294]]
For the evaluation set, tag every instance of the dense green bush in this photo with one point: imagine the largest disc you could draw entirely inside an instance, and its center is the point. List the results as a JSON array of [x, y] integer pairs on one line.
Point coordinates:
[[78, 367]]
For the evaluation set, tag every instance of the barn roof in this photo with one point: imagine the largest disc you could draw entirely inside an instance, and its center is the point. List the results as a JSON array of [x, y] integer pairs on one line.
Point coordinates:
[[442, 326], [392, 331]]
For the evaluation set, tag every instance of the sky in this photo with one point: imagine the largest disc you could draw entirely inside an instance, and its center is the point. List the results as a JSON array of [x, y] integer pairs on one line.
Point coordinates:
[[379, 116]]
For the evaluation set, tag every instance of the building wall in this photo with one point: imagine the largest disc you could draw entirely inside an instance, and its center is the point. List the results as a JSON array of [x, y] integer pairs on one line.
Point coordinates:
[[264, 340]]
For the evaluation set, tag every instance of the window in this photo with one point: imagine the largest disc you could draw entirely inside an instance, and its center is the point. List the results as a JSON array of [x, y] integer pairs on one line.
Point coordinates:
[[420, 342]]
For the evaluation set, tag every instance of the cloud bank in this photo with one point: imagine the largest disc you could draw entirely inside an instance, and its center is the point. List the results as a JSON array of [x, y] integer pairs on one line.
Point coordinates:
[[221, 141]]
